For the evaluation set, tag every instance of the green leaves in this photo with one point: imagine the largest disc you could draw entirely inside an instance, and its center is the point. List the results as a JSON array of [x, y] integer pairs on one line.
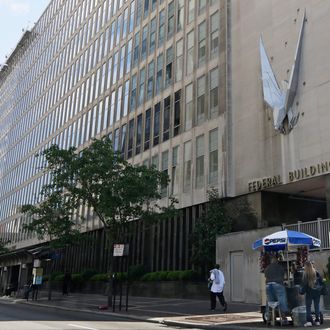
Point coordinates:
[[52, 219], [99, 178], [214, 221]]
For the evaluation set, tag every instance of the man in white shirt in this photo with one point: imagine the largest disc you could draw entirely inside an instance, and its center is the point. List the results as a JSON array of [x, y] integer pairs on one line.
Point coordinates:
[[216, 290]]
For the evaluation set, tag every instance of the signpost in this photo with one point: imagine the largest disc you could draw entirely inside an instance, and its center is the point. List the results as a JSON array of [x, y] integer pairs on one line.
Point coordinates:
[[120, 250]]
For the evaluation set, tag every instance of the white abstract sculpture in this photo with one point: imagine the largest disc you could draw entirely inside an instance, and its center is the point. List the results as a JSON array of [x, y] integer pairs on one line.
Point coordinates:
[[280, 100]]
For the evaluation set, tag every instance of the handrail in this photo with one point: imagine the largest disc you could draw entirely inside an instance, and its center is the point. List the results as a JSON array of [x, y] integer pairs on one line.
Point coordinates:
[[319, 228]]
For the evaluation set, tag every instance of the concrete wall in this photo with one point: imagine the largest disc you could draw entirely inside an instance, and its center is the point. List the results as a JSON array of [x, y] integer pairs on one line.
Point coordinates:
[[254, 142], [252, 280]]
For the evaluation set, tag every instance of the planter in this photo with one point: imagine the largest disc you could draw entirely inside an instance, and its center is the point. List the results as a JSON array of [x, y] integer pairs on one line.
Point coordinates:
[[161, 289], [95, 287], [170, 289]]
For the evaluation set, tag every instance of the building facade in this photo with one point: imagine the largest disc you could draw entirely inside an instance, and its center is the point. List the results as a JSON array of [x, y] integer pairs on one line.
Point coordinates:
[[176, 84], [149, 74]]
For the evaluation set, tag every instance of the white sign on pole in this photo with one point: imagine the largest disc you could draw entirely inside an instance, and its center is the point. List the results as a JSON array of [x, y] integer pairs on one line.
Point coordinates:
[[120, 250]]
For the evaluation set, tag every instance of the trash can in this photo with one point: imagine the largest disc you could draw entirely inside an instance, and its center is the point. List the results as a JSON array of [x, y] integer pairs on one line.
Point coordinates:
[[299, 316]]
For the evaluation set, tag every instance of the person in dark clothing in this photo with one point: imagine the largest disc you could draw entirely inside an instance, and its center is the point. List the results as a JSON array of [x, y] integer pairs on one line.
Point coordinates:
[[275, 289], [66, 283], [311, 284]]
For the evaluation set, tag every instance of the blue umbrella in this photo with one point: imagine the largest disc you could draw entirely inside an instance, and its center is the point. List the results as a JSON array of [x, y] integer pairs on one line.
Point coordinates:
[[285, 240]]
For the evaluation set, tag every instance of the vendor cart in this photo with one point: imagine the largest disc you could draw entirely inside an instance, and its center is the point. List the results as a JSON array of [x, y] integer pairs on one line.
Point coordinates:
[[291, 248]]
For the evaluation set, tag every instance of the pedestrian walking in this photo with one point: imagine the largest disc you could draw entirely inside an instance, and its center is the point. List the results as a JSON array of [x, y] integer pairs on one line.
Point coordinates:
[[217, 283], [66, 283], [35, 290], [312, 285]]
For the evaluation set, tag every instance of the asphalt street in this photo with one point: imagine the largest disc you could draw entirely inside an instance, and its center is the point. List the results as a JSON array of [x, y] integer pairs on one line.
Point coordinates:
[[14, 316]]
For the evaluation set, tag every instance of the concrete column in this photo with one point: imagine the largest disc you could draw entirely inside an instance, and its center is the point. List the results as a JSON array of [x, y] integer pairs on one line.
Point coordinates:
[[327, 194]]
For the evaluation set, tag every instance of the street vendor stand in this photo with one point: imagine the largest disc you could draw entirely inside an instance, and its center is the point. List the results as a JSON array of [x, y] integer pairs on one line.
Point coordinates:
[[291, 248]]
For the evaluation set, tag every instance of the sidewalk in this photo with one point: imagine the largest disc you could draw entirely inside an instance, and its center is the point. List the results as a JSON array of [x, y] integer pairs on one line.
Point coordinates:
[[175, 312]]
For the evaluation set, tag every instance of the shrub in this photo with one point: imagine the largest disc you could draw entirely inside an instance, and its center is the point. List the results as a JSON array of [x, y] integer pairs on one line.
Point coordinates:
[[77, 279], [136, 272], [103, 277], [178, 275], [55, 274], [58, 277], [121, 276], [88, 273]]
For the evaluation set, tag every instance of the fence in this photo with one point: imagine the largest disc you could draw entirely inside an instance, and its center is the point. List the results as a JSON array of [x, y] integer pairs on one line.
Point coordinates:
[[319, 229]]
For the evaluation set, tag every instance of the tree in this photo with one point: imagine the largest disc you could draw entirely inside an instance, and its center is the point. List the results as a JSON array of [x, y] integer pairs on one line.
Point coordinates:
[[213, 221], [52, 220], [117, 191]]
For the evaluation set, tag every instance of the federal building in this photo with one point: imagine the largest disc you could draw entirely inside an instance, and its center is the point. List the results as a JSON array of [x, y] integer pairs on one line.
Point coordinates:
[[225, 94]]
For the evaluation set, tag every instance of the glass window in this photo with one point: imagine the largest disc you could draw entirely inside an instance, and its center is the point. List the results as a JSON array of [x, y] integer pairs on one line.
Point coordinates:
[[166, 118], [213, 157], [214, 92], [155, 161], [201, 6], [214, 35], [132, 13], [190, 53], [147, 129], [115, 67], [201, 43], [191, 10], [116, 140], [189, 107], [119, 102], [164, 169], [123, 140], [130, 138], [179, 61], [112, 108], [180, 15], [144, 42], [161, 28], [146, 8], [106, 113], [159, 76], [138, 134], [177, 113], [153, 4], [156, 124], [169, 68], [141, 86], [187, 167], [152, 38], [200, 161], [201, 89], [122, 61], [126, 94], [129, 56], [170, 19], [136, 49], [150, 84], [133, 93], [174, 174]]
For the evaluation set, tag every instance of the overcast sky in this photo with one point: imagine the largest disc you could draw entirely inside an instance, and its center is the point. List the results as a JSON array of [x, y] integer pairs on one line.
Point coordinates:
[[15, 16]]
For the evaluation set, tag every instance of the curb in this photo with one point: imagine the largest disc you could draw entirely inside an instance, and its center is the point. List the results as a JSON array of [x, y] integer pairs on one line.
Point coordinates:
[[130, 317], [207, 326]]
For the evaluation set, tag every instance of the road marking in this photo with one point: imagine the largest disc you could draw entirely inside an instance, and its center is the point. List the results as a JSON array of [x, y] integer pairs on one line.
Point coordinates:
[[81, 327]]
